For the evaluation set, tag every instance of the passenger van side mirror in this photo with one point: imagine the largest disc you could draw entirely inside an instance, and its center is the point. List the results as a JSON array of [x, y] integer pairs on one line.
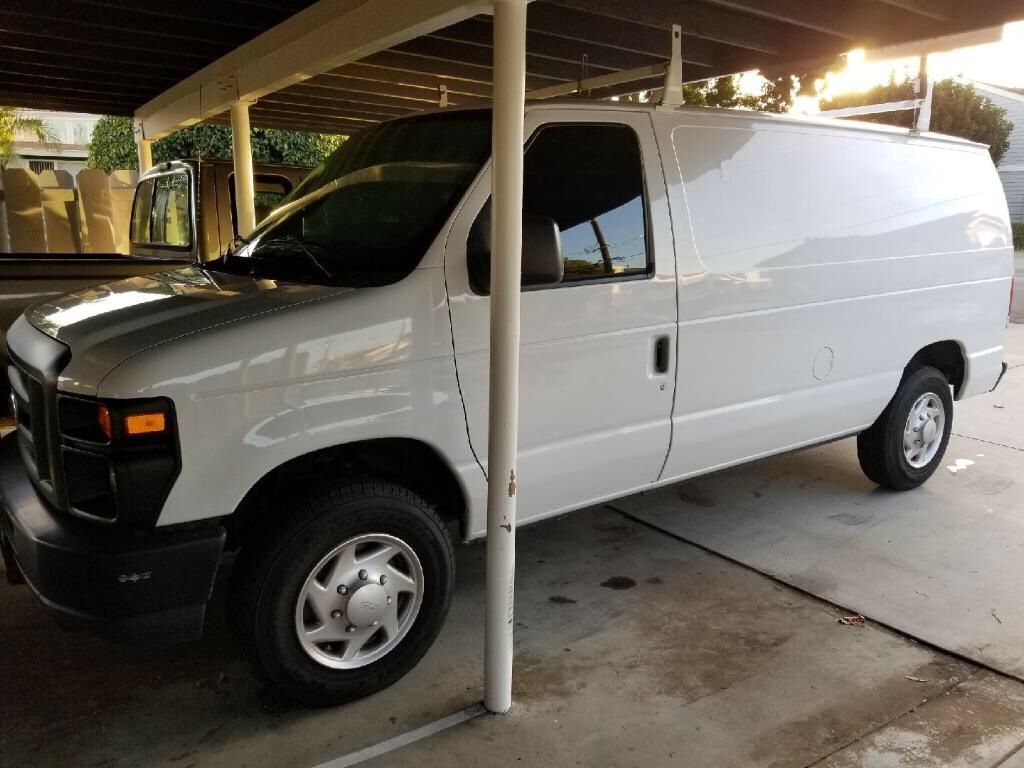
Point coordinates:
[[542, 252]]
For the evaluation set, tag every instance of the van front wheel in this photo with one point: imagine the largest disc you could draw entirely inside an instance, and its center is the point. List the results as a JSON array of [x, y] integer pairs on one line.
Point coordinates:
[[905, 445], [347, 594]]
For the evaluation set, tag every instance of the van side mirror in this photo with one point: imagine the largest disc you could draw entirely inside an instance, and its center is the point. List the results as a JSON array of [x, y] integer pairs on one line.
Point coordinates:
[[542, 252]]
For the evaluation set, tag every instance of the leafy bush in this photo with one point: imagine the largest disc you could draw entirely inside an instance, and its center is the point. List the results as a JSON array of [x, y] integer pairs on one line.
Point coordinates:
[[1018, 237], [113, 145]]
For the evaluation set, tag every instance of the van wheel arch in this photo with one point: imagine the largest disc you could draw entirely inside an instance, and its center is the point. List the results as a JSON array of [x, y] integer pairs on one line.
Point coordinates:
[[948, 357], [408, 462]]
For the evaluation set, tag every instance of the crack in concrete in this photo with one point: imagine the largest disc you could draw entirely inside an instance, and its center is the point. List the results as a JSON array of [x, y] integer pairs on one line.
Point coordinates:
[[828, 604], [1012, 753], [944, 692], [822, 600], [988, 442]]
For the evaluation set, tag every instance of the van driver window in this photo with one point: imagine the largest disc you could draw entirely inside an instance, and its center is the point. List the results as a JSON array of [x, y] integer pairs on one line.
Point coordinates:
[[589, 179]]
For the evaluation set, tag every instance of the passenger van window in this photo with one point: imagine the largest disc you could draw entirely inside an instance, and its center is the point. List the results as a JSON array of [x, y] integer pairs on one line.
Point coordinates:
[[171, 224], [589, 179], [141, 212]]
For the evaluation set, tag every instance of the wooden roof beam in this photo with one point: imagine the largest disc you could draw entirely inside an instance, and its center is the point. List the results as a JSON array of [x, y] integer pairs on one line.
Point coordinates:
[[364, 76], [564, 34], [697, 20], [940, 10]]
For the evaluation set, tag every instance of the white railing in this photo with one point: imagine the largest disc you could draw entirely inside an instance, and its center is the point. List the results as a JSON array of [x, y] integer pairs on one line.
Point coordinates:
[[873, 109]]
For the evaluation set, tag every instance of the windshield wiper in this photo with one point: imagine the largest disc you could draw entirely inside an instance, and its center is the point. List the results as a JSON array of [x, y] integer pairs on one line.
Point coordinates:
[[288, 244], [309, 254]]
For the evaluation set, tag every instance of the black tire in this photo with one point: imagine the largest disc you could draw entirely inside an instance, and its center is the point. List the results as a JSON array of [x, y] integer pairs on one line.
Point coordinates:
[[880, 447], [270, 573]]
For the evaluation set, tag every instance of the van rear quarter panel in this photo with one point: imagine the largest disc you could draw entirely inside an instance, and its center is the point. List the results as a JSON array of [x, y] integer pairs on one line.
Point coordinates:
[[814, 261]]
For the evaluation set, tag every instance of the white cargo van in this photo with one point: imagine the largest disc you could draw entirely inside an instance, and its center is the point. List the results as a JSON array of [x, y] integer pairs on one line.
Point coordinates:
[[701, 289]]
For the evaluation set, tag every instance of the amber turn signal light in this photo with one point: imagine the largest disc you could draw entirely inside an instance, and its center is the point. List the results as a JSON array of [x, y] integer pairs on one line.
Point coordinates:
[[144, 423]]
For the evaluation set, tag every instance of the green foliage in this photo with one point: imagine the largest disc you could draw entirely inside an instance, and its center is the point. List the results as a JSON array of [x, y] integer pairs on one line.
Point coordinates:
[[957, 110], [113, 145], [775, 96], [1018, 237], [13, 122], [777, 91]]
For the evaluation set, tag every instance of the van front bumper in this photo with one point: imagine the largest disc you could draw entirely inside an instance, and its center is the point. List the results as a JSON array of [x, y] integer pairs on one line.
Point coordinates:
[[127, 584]]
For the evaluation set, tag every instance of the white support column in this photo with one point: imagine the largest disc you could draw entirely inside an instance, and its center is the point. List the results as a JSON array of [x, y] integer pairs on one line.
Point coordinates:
[[143, 146], [145, 149], [506, 271], [926, 87], [241, 152]]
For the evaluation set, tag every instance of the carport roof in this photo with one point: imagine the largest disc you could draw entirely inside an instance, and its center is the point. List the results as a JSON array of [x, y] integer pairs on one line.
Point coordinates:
[[127, 56], [112, 56]]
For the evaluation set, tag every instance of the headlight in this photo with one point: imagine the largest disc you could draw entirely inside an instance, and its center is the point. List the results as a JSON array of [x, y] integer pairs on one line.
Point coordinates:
[[120, 457]]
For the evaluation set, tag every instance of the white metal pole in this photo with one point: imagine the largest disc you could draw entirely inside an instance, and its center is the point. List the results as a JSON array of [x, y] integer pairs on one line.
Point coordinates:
[[924, 117], [241, 151], [145, 150], [506, 270]]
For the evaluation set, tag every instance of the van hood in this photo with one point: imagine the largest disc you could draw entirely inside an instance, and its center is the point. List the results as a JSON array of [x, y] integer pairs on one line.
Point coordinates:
[[120, 319]]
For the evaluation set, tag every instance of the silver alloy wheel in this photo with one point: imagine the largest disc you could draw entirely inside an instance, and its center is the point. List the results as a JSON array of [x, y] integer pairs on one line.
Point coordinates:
[[923, 433], [359, 601]]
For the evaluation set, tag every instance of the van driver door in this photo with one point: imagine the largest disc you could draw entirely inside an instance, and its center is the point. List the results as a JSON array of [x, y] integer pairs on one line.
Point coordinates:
[[597, 355]]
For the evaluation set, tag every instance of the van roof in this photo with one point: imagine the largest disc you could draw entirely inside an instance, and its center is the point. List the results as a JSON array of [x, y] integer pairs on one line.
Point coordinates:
[[749, 114], [830, 123]]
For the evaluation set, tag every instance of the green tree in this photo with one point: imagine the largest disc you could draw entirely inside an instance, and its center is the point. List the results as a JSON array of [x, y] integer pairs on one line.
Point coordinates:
[[957, 110], [113, 145], [776, 95], [777, 91], [719, 92], [13, 122]]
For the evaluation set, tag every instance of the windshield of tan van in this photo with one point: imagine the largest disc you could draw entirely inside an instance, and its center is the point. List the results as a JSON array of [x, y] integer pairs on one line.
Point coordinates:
[[368, 213]]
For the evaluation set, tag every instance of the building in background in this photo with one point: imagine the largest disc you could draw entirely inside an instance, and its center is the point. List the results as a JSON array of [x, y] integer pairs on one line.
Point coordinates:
[[1011, 167], [66, 147]]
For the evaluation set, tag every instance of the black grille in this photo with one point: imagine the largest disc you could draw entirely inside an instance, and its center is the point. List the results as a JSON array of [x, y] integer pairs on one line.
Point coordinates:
[[89, 484], [29, 406], [35, 361]]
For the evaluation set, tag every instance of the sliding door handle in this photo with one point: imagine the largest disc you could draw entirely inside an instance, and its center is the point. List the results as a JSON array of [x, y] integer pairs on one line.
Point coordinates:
[[662, 354]]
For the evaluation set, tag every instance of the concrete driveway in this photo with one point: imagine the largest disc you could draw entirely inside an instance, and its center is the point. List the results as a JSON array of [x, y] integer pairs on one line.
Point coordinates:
[[633, 649], [695, 626]]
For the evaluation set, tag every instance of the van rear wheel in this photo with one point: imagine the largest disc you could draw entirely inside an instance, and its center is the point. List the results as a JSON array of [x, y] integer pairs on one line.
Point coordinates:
[[905, 445], [346, 595]]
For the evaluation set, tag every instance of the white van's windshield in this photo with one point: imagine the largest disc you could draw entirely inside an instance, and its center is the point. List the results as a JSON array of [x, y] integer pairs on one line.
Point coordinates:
[[368, 212]]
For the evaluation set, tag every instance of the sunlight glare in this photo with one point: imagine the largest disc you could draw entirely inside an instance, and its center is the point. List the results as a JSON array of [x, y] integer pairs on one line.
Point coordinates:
[[999, 64]]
